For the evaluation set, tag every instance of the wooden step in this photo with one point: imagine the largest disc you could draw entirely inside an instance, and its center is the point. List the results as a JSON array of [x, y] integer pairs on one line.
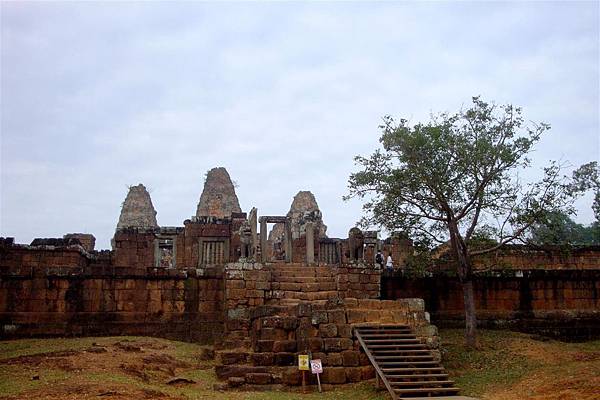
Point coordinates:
[[410, 346], [419, 369], [392, 340], [421, 383], [396, 357], [397, 331], [428, 390], [416, 376], [406, 366], [404, 342], [380, 335], [400, 363], [400, 352]]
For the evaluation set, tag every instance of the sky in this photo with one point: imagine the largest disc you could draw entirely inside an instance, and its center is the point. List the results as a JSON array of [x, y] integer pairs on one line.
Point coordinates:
[[97, 96]]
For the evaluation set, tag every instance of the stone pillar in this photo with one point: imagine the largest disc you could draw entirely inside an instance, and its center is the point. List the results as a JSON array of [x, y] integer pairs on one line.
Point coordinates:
[[253, 235], [263, 240], [288, 241], [310, 243]]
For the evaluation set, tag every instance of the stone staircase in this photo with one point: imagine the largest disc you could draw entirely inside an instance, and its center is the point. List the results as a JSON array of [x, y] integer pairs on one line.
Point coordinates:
[[405, 365], [292, 283]]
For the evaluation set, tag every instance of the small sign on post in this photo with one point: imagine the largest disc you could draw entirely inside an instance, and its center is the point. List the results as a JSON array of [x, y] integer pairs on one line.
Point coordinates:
[[316, 367], [303, 366]]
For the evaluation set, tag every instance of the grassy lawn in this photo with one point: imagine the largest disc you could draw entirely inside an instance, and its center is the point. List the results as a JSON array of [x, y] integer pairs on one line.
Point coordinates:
[[507, 365]]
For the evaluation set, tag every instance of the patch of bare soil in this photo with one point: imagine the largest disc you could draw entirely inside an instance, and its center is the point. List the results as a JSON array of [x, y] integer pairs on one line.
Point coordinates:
[[74, 391], [90, 371]]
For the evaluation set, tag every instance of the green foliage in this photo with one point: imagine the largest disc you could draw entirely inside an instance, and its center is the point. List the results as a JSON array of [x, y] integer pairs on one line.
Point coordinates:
[[587, 177], [559, 229], [456, 177]]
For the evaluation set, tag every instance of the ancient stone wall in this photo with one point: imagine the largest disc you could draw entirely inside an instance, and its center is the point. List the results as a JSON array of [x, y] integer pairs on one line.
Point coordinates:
[[185, 305], [249, 285], [518, 257], [325, 329], [562, 303]]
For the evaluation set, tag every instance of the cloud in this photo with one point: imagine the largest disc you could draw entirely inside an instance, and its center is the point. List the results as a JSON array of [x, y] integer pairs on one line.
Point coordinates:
[[97, 96]]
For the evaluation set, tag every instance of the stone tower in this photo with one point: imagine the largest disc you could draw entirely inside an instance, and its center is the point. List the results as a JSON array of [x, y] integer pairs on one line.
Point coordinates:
[[304, 209], [137, 210], [218, 198]]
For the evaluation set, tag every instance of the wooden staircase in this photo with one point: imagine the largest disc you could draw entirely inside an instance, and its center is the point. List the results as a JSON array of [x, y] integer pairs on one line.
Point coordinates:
[[405, 365]]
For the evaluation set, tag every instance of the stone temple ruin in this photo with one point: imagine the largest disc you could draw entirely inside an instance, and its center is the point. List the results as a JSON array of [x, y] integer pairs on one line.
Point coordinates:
[[262, 298]]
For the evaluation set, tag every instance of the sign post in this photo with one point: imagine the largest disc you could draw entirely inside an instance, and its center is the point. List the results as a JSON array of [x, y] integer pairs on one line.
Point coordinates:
[[316, 367], [303, 366]]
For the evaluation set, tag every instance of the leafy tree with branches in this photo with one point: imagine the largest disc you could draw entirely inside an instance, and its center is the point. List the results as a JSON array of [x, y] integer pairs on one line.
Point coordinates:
[[454, 179]]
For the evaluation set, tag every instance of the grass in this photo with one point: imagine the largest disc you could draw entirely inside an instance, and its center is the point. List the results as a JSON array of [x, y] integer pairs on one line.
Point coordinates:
[[509, 364], [13, 380], [506, 365], [490, 366]]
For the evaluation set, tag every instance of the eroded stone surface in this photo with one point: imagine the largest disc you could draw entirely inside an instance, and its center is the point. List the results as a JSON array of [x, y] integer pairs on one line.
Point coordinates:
[[137, 210], [304, 209], [218, 198]]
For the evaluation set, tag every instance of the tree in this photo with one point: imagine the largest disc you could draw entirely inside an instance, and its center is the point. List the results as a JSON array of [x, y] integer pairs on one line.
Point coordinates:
[[558, 229], [455, 177], [587, 177]]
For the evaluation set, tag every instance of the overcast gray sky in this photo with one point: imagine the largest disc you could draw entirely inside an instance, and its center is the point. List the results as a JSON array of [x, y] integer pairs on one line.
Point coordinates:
[[99, 96]]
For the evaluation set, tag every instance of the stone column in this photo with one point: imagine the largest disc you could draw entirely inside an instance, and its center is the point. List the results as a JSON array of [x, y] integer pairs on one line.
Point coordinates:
[[253, 236], [288, 241], [263, 240], [310, 243]]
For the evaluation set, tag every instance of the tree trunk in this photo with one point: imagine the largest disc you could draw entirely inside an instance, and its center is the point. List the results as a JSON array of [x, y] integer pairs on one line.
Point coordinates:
[[470, 315], [465, 274]]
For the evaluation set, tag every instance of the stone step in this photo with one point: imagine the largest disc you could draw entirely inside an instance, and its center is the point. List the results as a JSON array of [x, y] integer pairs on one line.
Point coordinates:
[[309, 296], [304, 279], [304, 287]]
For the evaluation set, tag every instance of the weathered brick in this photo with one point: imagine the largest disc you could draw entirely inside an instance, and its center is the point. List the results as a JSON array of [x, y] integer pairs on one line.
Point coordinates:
[[319, 317], [226, 371], [233, 357], [356, 316], [284, 359], [354, 374], [337, 317], [334, 375], [291, 376], [273, 334], [236, 381], [328, 330], [284, 346], [350, 358], [264, 346], [262, 358], [344, 331], [257, 378], [334, 359], [368, 372]]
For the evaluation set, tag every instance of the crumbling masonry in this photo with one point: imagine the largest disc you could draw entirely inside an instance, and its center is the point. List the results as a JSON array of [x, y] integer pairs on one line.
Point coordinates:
[[261, 297]]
